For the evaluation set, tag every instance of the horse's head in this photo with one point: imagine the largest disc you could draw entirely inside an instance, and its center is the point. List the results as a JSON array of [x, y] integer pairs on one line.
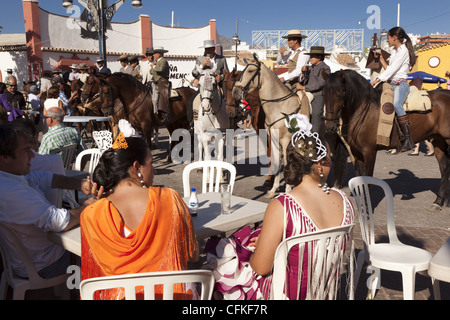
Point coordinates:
[[248, 80], [90, 88], [106, 98], [333, 94], [228, 84]]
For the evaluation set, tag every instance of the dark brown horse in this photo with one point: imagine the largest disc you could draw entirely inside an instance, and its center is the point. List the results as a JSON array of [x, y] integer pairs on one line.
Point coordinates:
[[351, 99], [124, 97]]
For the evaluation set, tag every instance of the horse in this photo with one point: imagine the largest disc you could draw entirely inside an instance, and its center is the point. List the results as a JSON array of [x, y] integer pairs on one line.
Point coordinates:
[[122, 96], [256, 112], [211, 115], [276, 100], [350, 99]]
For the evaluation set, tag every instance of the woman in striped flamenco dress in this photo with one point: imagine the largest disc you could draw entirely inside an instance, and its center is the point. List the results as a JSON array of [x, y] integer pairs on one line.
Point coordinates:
[[243, 263]]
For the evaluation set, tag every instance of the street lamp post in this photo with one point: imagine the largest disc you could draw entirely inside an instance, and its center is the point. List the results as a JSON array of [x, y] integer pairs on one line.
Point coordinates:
[[237, 42], [101, 14]]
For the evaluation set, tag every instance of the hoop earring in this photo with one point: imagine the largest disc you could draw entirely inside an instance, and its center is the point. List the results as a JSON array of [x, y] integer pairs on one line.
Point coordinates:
[[322, 184], [142, 180]]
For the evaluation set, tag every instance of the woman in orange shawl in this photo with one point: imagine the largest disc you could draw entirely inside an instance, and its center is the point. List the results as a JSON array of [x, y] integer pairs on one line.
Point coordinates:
[[137, 227]]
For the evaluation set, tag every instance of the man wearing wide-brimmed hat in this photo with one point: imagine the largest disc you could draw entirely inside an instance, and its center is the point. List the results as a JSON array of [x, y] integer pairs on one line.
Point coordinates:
[[101, 68], [83, 67], [125, 64], [160, 72], [295, 58], [74, 74], [135, 68], [313, 82], [210, 59]]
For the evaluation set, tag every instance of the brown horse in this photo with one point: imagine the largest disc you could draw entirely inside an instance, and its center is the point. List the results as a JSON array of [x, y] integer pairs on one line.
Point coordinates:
[[351, 99], [124, 97]]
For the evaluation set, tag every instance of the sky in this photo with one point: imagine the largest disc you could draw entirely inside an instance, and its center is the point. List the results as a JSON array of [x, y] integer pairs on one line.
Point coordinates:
[[416, 16]]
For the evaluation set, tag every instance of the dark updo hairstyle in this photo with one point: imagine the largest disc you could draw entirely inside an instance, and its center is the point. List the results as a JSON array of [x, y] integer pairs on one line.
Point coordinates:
[[114, 163], [297, 166]]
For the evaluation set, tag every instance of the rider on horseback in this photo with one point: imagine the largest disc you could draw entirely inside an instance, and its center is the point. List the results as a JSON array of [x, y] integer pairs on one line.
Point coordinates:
[[402, 60], [295, 59], [160, 72], [209, 60]]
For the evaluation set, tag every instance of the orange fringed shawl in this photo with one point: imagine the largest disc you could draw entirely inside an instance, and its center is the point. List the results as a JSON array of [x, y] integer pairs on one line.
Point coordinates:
[[164, 240]]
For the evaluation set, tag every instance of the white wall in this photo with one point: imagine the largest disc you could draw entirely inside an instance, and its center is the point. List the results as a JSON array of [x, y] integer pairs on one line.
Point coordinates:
[[180, 41], [17, 61], [64, 32]]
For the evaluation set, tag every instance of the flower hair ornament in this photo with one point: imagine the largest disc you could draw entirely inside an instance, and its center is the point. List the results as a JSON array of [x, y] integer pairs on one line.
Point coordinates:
[[307, 143], [121, 142], [126, 131]]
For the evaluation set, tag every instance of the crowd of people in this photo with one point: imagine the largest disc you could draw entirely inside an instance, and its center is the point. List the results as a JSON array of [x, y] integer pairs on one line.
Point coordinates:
[[130, 226]]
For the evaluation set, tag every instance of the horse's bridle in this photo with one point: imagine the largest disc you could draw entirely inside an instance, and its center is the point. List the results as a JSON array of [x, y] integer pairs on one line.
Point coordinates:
[[245, 88]]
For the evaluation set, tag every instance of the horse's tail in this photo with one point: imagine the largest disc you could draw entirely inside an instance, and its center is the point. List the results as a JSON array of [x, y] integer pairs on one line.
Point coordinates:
[[339, 165]]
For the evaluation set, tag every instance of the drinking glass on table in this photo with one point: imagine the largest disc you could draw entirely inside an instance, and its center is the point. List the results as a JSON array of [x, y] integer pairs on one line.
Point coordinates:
[[225, 195]]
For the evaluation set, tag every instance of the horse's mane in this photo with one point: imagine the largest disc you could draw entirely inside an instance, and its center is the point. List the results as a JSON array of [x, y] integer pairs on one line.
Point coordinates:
[[358, 90], [132, 79]]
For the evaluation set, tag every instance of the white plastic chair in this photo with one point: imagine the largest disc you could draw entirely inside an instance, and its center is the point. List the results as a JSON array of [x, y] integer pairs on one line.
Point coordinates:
[[324, 265], [148, 280], [94, 154], [8, 238], [393, 256], [212, 174]]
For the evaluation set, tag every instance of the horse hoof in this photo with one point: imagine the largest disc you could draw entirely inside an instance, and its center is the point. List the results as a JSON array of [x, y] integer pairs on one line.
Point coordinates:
[[267, 185], [435, 208], [270, 195]]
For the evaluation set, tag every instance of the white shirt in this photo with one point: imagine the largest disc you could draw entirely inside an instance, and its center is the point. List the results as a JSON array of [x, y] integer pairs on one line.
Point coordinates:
[[35, 101], [145, 71], [398, 67], [24, 208], [303, 59]]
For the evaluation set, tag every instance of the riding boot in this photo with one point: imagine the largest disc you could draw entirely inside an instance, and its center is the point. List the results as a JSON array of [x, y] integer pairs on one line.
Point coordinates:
[[406, 143]]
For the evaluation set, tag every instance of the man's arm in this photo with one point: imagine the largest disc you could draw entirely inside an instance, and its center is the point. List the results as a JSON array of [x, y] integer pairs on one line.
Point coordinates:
[[71, 183]]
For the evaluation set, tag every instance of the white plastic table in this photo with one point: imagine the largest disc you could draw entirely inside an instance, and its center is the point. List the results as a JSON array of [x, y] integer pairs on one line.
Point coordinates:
[[208, 222]]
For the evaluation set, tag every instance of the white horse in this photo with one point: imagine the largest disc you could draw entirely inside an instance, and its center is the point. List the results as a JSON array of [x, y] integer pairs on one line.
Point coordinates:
[[212, 117], [276, 100]]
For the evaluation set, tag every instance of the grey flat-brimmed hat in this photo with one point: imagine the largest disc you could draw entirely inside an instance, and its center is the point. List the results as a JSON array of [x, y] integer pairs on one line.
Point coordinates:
[[100, 60], [317, 50], [83, 66], [208, 44], [74, 66], [156, 49], [133, 57], [295, 33]]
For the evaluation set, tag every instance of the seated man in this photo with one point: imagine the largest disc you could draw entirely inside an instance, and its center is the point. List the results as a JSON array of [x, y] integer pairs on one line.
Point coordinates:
[[24, 208], [58, 134]]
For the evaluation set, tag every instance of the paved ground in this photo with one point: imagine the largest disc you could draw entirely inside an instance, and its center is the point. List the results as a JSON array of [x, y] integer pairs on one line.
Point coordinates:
[[413, 180]]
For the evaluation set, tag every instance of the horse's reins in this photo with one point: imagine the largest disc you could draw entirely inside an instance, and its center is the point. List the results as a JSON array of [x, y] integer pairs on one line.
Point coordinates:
[[245, 88]]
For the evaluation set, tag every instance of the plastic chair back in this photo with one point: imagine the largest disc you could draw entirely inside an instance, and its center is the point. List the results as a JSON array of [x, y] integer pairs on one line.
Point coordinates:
[[94, 154], [148, 280], [360, 188], [10, 241], [67, 154], [325, 251], [212, 174]]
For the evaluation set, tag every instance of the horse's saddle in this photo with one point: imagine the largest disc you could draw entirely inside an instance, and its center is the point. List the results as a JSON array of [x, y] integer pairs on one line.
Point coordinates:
[[173, 94], [417, 101]]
